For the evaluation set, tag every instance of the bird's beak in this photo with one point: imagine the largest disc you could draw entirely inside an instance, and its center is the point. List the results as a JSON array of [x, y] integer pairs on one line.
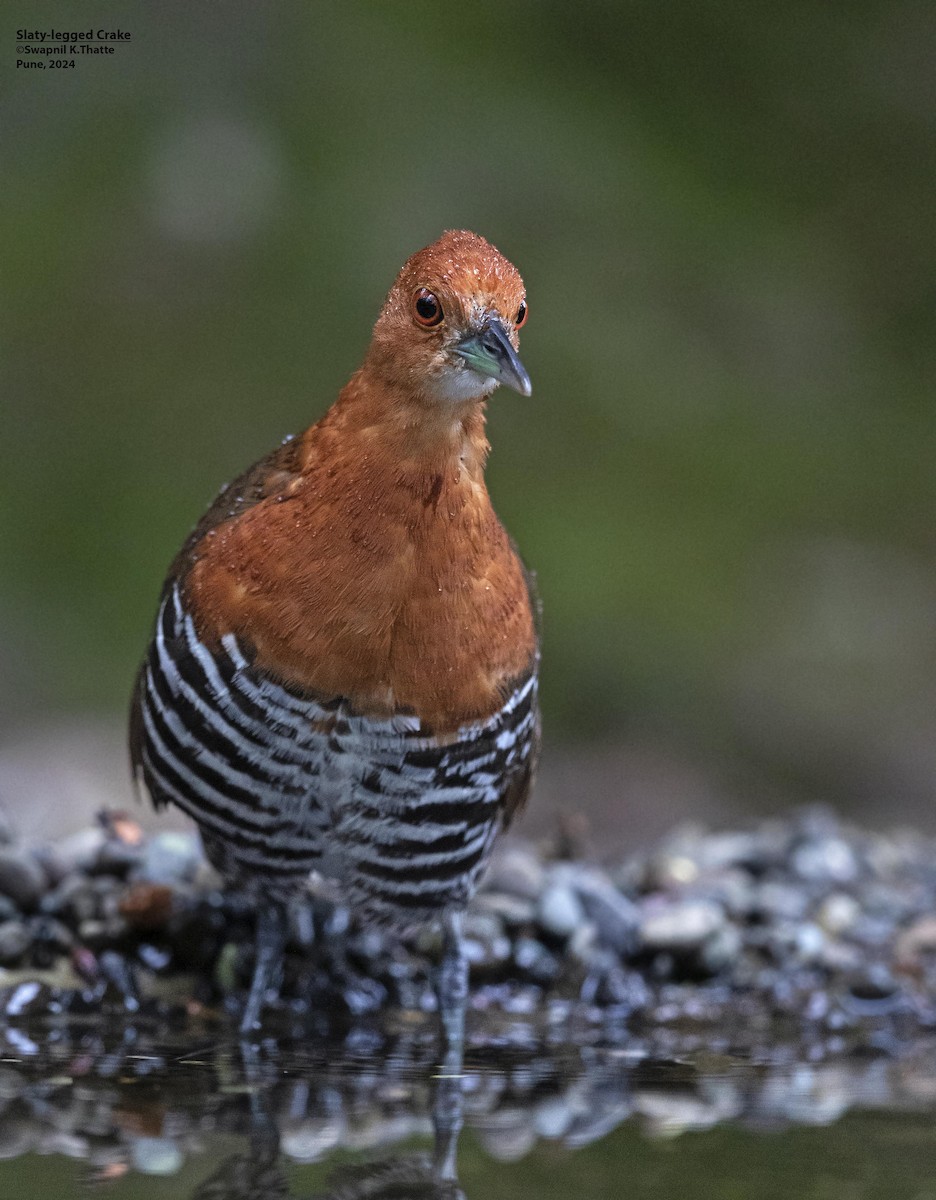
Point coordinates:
[[490, 353]]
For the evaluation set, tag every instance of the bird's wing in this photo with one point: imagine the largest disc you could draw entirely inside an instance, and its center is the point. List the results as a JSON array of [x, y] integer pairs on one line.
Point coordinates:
[[521, 773], [269, 474], [238, 752]]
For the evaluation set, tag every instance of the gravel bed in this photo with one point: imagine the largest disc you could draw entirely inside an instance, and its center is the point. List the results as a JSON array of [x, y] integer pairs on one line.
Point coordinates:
[[804, 928]]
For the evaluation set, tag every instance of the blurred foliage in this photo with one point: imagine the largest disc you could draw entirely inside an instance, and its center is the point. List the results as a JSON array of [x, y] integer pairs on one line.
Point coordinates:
[[724, 218]]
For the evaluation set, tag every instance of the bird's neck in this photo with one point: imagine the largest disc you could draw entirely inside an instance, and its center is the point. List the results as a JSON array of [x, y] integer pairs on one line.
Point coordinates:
[[416, 437]]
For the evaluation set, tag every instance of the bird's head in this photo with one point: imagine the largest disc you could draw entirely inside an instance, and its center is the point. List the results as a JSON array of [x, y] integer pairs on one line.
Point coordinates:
[[447, 332]]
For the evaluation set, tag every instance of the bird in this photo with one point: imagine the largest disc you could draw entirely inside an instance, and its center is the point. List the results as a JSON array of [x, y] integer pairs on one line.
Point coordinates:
[[343, 675]]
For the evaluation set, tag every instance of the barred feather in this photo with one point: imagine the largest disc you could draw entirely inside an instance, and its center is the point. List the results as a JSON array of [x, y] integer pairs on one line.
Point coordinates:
[[282, 784]]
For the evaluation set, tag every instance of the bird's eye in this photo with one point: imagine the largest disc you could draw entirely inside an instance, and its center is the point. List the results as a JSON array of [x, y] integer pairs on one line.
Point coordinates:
[[427, 309], [521, 316]]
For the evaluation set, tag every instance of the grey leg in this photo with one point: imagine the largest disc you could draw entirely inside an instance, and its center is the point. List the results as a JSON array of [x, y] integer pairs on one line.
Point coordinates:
[[271, 940], [452, 991]]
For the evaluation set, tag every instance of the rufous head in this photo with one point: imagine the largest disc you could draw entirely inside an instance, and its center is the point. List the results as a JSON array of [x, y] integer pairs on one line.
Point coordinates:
[[447, 332]]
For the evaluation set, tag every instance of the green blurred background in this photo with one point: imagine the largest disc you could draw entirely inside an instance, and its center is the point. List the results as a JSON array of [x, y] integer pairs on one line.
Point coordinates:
[[724, 478]]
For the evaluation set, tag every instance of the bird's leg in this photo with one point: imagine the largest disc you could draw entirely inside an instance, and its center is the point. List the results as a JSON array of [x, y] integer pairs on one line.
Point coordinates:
[[271, 940], [452, 991]]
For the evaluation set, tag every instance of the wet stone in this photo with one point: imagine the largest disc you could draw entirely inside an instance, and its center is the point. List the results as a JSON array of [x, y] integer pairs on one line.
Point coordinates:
[[116, 858], [809, 941], [533, 958], [485, 945], [716, 851], [737, 927], [918, 940], [512, 910], [679, 927], [24, 999], [75, 899], [838, 913], [825, 859], [773, 899], [97, 934], [875, 991], [156, 1156], [51, 939], [15, 940], [313, 1138], [155, 958], [722, 949], [616, 918], [559, 910], [79, 851], [169, 858], [516, 871], [22, 879]]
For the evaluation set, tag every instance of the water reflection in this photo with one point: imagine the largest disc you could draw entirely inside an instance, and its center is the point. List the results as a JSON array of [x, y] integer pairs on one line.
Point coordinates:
[[262, 1171], [372, 1117]]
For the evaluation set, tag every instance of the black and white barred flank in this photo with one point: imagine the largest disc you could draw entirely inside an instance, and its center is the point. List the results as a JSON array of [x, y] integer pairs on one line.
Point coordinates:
[[281, 784]]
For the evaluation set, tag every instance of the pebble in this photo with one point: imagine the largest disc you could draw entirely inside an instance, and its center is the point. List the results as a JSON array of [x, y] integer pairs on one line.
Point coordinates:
[[513, 910], [616, 918], [678, 926], [74, 899], [15, 940], [738, 849], [516, 871], [22, 879], [79, 851], [485, 945], [838, 913], [805, 917], [559, 909], [313, 1138], [52, 936], [532, 957], [825, 859], [809, 942], [156, 1156], [169, 858], [917, 940], [721, 949]]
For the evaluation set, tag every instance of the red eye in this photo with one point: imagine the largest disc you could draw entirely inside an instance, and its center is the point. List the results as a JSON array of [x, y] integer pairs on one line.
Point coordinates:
[[522, 314], [426, 308]]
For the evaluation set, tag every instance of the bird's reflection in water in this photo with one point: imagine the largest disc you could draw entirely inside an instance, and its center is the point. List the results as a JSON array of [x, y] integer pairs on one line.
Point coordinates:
[[259, 1173]]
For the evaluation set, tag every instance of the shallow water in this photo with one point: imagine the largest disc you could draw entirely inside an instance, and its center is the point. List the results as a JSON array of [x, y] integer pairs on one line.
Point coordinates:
[[153, 1115]]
